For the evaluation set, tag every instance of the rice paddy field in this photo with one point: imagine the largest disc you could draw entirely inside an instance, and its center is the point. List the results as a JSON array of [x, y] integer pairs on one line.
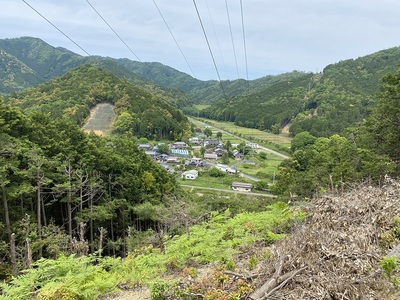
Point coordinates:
[[279, 142]]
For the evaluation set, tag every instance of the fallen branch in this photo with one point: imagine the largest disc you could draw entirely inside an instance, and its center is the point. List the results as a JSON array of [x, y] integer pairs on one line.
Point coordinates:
[[288, 276], [271, 283], [238, 275]]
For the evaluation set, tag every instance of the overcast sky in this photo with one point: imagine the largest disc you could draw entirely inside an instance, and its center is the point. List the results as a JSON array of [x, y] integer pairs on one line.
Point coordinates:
[[280, 35]]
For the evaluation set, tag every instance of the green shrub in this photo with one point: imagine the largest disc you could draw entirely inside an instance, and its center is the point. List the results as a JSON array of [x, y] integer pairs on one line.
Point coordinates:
[[389, 265], [67, 277]]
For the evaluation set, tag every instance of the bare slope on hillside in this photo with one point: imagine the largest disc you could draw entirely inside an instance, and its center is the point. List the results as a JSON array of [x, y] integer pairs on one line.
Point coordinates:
[[101, 118], [336, 253]]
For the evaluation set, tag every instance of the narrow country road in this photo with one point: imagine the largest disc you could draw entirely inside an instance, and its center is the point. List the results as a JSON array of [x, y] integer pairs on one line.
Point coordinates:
[[240, 138], [228, 191]]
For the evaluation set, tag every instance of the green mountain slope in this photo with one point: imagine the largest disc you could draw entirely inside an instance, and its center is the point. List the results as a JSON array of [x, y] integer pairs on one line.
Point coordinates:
[[322, 104], [139, 111], [14, 74], [48, 62]]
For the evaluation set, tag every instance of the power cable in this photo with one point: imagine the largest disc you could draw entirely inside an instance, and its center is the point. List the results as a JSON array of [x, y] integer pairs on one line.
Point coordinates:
[[215, 33], [56, 27], [176, 42], [233, 43], [209, 48], [245, 48], [129, 48]]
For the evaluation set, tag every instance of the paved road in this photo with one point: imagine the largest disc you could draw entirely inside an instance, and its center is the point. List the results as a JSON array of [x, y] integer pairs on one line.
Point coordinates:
[[240, 138], [228, 191]]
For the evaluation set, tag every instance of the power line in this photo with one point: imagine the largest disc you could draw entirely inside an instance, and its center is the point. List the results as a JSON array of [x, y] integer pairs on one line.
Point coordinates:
[[233, 43], [56, 27], [245, 47], [176, 42], [113, 31], [215, 33], [209, 48]]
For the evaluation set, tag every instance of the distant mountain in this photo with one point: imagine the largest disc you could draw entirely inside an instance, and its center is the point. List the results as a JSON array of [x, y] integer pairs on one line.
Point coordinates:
[[140, 111], [46, 62], [323, 104]]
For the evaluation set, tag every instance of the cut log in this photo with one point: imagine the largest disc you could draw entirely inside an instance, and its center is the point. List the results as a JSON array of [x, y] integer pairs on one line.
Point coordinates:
[[276, 282]]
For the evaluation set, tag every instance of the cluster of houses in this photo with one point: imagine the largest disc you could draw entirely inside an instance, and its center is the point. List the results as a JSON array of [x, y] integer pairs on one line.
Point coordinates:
[[179, 151]]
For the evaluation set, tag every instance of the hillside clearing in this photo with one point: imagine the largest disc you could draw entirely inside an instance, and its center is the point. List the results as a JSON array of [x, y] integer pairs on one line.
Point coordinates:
[[338, 251], [101, 118]]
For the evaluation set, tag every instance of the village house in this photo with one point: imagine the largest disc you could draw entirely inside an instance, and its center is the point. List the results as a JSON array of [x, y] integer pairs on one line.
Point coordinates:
[[144, 146], [213, 156], [191, 174], [194, 140], [241, 186], [179, 145], [226, 169]]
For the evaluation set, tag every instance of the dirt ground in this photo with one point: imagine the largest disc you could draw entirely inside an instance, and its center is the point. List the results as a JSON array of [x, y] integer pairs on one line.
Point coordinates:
[[137, 294]]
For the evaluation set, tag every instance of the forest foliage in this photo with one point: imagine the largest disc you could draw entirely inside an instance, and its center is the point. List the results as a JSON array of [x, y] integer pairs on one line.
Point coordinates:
[[140, 112], [336, 163], [323, 104], [59, 184]]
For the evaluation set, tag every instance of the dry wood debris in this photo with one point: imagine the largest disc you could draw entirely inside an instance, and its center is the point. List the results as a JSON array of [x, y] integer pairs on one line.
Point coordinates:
[[335, 254]]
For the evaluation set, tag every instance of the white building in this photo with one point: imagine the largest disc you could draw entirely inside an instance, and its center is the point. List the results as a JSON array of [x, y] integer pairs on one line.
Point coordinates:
[[241, 186], [191, 174]]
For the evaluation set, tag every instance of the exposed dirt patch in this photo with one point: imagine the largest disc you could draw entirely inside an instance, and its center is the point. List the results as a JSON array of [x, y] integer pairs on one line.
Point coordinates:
[[100, 119], [136, 294]]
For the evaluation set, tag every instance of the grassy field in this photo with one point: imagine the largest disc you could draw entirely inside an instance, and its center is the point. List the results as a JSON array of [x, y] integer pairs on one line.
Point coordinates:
[[212, 182], [261, 169], [201, 106], [276, 142]]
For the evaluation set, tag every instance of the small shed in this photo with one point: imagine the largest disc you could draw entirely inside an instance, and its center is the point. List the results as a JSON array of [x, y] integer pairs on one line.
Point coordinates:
[[144, 146], [179, 145], [242, 186], [191, 174], [213, 156]]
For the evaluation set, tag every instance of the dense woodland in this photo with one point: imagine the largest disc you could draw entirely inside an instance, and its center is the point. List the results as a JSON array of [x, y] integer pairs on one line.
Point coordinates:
[[140, 112], [67, 192], [322, 104], [54, 176]]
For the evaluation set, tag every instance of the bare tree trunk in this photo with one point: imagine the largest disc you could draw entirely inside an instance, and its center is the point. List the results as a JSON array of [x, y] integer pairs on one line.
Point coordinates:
[[43, 212], [11, 236], [39, 217], [68, 171], [112, 236], [28, 254], [91, 224], [13, 255], [102, 233], [6, 212], [69, 213]]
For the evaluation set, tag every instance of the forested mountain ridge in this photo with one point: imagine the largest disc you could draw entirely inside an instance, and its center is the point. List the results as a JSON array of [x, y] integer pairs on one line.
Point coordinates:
[[48, 62], [322, 104], [73, 94]]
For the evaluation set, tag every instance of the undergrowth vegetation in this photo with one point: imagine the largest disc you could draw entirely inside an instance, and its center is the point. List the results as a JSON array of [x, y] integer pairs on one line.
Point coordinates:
[[214, 241]]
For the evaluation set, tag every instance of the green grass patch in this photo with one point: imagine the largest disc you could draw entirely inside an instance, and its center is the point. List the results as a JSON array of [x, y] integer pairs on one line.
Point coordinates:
[[260, 169], [205, 180], [201, 106], [281, 139]]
